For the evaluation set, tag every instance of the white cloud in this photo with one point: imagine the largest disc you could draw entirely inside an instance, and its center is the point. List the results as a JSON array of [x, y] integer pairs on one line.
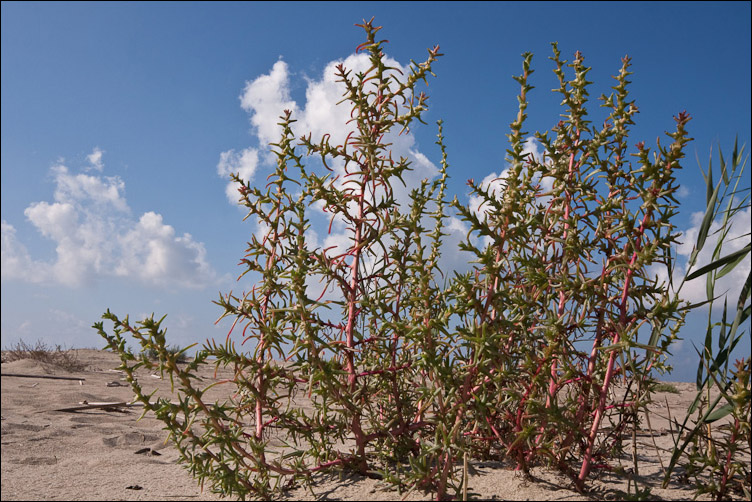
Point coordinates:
[[82, 246], [95, 159], [694, 290], [152, 253], [94, 237], [322, 115], [16, 262], [56, 221], [243, 164], [84, 189], [267, 97], [495, 183]]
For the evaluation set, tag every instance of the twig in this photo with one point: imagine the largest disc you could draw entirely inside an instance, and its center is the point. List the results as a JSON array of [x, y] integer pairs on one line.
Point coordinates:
[[464, 478], [88, 406], [652, 437], [52, 377]]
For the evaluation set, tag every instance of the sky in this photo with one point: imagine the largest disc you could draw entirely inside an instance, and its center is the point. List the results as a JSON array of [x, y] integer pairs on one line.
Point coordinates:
[[120, 124]]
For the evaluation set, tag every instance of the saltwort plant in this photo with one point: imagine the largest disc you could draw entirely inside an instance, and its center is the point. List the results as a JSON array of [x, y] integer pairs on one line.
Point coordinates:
[[392, 369]]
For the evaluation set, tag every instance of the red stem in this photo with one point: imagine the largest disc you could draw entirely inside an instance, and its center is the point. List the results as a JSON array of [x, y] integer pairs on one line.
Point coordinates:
[[727, 465], [586, 462], [352, 315]]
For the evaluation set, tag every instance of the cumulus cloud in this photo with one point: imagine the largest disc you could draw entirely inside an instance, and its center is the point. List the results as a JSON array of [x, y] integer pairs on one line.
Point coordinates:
[[694, 291], [16, 262], [95, 159], [94, 236], [56, 221], [265, 99], [494, 183], [242, 163], [83, 189], [153, 253]]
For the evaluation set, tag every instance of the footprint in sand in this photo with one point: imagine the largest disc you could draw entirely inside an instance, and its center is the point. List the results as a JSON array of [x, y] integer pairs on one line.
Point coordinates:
[[38, 461], [10, 428], [129, 439]]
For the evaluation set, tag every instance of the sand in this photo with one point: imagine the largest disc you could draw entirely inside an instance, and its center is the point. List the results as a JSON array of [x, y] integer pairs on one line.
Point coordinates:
[[93, 454]]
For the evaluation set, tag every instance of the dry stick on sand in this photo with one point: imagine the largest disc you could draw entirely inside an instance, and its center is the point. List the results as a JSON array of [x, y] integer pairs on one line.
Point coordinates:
[[652, 437], [88, 406], [51, 377]]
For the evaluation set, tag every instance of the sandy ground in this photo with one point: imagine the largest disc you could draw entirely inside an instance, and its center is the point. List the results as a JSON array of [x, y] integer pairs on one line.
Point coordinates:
[[93, 454]]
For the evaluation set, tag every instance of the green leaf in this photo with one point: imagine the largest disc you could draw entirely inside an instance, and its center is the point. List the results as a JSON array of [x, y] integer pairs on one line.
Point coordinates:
[[730, 266], [732, 259], [708, 218], [718, 414], [742, 313], [708, 351], [709, 181], [744, 293], [724, 173]]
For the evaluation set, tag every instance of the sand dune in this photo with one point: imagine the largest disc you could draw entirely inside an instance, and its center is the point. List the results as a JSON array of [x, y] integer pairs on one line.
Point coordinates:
[[107, 454]]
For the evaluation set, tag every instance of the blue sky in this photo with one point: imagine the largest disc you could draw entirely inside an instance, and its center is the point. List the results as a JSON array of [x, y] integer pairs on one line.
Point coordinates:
[[119, 118]]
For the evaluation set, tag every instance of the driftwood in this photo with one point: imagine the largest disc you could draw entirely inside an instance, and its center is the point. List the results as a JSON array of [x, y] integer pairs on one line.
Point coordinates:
[[91, 406], [51, 377]]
